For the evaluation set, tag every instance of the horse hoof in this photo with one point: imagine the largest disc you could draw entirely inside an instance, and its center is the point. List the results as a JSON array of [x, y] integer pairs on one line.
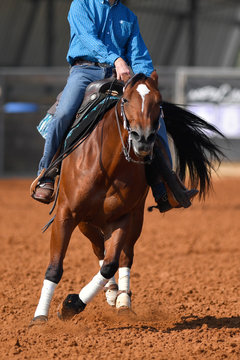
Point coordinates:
[[38, 320], [123, 310], [126, 312], [70, 307], [123, 300]]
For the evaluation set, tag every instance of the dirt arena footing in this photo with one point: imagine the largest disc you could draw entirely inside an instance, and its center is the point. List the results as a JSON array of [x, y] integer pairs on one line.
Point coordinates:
[[185, 283]]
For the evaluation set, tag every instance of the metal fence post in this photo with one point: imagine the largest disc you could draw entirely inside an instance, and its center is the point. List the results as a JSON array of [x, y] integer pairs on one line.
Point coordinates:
[[192, 33]]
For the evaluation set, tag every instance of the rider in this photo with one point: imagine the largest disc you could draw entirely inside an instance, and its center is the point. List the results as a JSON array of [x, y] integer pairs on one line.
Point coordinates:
[[104, 35]]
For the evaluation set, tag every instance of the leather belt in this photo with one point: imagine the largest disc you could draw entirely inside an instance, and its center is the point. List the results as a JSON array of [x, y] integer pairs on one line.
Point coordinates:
[[90, 63]]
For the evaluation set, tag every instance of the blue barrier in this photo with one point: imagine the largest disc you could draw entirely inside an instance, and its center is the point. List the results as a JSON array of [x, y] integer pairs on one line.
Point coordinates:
[[20, 107]]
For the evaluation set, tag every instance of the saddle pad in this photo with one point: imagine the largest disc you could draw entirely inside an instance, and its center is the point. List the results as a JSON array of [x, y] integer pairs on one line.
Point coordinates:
[[44, 125], [89, 122]]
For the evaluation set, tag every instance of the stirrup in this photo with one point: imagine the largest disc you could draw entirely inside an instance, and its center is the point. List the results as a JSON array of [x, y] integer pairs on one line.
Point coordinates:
[[164, 205], [179, 197], [39, 183]]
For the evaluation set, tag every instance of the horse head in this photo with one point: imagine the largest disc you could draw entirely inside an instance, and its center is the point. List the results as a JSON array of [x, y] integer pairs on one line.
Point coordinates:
[[141, 108]]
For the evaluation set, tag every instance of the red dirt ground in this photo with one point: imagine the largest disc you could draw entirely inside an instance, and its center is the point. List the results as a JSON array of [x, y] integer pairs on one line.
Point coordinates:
[[185, 284]]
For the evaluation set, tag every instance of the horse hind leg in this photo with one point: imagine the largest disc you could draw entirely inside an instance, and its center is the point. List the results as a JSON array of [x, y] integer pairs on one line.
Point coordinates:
[[123, 300], [110, 289]]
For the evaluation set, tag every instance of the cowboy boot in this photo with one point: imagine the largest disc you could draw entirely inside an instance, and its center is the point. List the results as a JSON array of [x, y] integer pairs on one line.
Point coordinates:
[[168, 201], [159, 172], [42, 188]]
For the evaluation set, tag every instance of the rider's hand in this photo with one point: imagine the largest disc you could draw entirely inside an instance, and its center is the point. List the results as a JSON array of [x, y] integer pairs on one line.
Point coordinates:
[[122, 70]]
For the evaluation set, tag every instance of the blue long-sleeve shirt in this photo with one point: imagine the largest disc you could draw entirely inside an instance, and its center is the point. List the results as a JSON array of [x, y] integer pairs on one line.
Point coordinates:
[[103, 33]]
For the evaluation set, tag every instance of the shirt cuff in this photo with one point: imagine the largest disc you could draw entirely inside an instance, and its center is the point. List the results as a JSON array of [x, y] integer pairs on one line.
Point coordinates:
[[112, 58]]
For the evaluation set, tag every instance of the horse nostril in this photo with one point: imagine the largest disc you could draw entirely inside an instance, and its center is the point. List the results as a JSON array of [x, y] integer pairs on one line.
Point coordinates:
[[135, 135], [151, 138], [143, 138]]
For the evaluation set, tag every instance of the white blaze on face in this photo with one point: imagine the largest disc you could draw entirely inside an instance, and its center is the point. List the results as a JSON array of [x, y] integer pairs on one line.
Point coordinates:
[[143, 91]]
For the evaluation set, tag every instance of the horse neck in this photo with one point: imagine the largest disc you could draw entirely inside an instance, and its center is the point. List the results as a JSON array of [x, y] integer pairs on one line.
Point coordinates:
[[113, 160]]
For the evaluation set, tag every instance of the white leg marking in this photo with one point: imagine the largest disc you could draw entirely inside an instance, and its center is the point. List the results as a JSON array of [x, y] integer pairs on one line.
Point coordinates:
[[101, 263], [45, 298], [143, 91], [111, 294], [92, 288], [123, 299], [124, 279]]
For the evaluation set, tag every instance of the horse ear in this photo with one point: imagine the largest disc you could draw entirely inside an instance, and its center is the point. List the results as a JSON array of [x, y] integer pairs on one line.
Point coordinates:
[[154, 76]]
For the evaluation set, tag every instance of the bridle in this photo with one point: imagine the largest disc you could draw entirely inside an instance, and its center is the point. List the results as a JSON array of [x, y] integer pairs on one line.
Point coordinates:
[[126, 148]]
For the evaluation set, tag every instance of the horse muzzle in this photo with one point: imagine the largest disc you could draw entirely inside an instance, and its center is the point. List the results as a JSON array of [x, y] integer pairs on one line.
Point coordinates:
[[142, 142]]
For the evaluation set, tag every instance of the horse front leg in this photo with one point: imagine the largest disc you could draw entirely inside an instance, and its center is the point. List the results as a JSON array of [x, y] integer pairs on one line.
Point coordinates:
[[124, 294], [63, 227], [113, 246], [97, 239]]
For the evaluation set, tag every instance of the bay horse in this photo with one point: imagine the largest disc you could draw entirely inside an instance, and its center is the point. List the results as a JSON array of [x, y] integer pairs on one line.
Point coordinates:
[[104, 194]]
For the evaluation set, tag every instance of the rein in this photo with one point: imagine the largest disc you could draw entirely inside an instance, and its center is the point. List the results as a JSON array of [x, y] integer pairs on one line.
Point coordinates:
[[127, 148]]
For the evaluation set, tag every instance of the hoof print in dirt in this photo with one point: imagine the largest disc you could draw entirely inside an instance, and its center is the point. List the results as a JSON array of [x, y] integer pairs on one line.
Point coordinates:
[[38, 320], [70, 307]]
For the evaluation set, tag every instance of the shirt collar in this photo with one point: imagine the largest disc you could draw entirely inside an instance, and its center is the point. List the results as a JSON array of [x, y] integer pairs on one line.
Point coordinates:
[[107, 2]]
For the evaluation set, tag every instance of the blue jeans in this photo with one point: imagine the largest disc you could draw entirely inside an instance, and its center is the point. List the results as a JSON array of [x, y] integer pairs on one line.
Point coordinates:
[[159, 189], [162, 132], [72, 96]]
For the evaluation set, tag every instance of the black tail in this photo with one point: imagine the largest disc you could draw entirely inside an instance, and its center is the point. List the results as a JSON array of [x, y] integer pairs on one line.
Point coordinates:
[[194, 149]]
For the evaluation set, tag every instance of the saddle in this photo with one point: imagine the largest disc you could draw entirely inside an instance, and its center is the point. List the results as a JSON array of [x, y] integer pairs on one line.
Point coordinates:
[[95, 93], [99, 97]]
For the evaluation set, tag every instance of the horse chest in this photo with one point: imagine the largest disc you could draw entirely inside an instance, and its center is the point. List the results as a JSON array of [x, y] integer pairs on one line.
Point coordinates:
[[121, 195], [118, 187]]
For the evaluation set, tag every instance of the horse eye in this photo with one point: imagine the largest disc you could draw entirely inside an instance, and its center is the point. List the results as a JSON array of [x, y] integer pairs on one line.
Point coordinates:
[[125, 100]]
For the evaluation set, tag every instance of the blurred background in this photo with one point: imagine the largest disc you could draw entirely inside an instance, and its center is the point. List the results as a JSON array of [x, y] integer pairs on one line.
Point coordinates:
[[195, 46]]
